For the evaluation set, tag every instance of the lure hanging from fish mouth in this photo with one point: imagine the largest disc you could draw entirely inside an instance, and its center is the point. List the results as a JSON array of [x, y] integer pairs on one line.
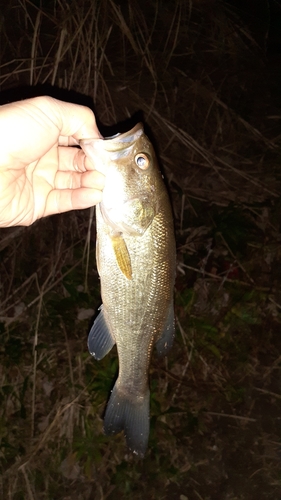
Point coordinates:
[[136, 262]]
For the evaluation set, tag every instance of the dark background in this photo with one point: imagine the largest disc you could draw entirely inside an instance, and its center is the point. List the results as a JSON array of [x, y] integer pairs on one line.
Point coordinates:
[[205, 77]]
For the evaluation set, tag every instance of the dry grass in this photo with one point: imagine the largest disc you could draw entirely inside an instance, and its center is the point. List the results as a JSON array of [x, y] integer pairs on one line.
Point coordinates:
[[205, 90]]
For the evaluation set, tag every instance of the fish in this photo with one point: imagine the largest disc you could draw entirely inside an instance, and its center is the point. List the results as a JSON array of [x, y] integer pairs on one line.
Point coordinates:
[[136, 262]]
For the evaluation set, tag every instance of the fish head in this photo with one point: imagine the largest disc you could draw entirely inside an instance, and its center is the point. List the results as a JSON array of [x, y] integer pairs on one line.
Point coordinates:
[[129, 163]]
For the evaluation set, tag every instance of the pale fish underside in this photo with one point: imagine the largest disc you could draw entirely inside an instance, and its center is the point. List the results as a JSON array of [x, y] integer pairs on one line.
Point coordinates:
[[136, 263]]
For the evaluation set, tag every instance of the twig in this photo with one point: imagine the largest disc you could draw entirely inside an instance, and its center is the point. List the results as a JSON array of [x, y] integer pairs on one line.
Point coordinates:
[[59, 54], [28, 487], [33, 48], [218, 277], [68, 352], [270, 393], [229, 415], [35, 343]]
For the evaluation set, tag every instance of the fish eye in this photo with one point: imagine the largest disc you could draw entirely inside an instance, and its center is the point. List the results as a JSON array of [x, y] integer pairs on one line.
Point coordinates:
[[142, 160]]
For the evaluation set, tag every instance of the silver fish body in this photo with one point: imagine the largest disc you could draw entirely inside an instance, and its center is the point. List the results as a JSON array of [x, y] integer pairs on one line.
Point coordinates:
[[136, 262]]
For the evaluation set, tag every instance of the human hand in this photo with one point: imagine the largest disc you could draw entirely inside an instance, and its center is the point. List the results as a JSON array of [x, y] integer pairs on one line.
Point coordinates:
[[40, 174]]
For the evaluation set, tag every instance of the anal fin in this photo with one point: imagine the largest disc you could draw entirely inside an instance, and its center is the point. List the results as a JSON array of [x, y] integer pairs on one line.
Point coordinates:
[[100, 340]]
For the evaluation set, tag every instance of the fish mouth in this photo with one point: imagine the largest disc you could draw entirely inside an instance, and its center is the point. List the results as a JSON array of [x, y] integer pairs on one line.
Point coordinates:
[[110, 148], [125, 139]]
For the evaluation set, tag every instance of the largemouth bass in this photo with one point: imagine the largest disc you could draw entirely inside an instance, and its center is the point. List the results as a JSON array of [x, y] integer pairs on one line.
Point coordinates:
[[136, 259]]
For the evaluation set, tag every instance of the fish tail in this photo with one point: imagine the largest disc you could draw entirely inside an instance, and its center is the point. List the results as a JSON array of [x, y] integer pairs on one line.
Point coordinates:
[[130, 414]]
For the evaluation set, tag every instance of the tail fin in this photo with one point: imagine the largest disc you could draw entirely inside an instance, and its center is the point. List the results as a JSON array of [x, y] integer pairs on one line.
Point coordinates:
[[130, 414]]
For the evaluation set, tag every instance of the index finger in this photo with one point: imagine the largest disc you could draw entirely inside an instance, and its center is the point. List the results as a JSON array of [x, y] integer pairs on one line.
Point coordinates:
[[30, 128], [72, 120]]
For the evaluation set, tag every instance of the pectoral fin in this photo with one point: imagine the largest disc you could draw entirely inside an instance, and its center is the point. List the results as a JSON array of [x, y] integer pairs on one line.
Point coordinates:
[[165, 342], [100, 340], [122, 255]]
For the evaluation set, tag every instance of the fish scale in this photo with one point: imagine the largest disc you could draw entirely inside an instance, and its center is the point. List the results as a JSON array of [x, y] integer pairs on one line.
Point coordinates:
[[136, 263]]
